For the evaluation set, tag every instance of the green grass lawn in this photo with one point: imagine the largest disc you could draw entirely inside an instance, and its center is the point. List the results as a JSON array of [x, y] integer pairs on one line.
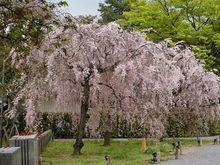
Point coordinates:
[[125, 152]]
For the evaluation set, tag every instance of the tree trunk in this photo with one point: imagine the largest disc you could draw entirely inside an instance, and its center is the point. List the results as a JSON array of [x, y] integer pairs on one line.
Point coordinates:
[[107, 131], [107, 138], [83, 119]]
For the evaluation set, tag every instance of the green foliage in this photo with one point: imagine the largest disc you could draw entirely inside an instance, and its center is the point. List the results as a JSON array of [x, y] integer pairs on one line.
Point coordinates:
[[21, 26], [45, 122], [178, 124], [61, 124], [214, 127], [202, 53], [21, 119], [112, 10], [63, 4], [64, 126], [194, 21], [185, 124], [123, 128]]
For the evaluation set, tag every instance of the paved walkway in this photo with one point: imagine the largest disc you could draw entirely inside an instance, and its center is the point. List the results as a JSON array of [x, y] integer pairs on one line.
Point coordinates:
[[205, 155]]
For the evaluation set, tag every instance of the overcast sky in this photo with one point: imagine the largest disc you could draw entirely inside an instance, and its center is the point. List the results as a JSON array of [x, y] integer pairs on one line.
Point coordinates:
[[83, 7]]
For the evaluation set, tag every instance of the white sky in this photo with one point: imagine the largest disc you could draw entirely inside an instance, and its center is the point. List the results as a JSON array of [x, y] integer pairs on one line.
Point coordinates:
[[82, 7]]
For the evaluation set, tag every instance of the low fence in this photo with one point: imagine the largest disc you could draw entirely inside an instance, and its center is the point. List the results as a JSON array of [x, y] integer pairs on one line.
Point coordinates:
[[30, 147], [44, 139]]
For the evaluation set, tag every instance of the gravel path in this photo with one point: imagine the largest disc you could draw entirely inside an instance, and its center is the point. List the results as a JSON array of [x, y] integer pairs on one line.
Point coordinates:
[[205, 155]]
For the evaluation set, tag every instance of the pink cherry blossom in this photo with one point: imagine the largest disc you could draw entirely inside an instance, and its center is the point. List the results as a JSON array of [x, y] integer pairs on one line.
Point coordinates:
[[127, 76]]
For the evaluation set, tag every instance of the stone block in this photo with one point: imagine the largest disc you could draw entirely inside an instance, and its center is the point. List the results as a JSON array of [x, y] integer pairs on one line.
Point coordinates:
[[10, 156], [29, 148]]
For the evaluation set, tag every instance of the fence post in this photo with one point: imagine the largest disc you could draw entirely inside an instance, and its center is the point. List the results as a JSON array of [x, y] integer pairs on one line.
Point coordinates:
[[199, 141], [216, 141], [177, 152], [179, 144], [29, 148], [108, 159], [156, 157], [10, 156]]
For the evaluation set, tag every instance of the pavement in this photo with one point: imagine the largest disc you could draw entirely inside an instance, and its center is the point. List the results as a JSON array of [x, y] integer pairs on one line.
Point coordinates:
[[204, 155]]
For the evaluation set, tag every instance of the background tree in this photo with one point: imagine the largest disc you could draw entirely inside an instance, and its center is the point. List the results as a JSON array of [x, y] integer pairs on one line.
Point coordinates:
[[24, 24], [112, 10], [196, 22]]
